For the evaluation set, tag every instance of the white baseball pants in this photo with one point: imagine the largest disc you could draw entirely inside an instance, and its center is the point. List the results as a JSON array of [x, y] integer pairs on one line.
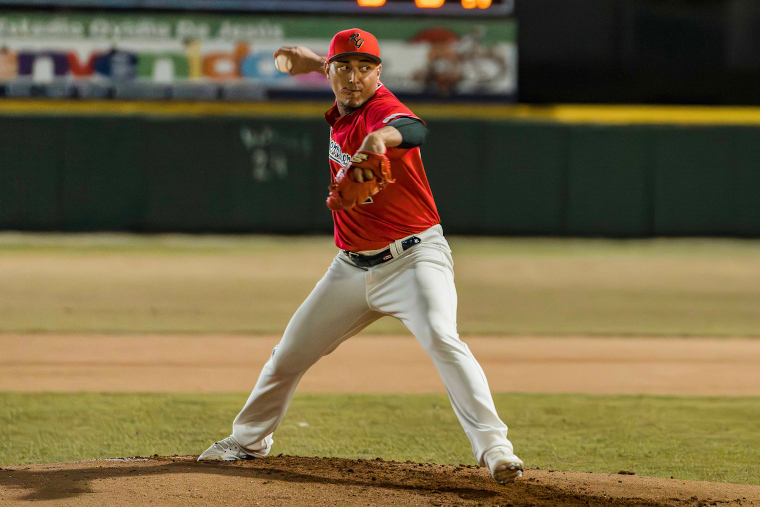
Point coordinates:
[[416, 287]]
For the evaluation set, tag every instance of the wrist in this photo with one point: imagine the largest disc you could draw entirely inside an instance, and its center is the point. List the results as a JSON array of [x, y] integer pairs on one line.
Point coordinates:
[[320, 65], [374, 142]]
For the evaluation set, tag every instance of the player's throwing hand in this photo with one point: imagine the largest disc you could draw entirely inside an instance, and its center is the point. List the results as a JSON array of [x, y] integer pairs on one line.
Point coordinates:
[[303, 60]]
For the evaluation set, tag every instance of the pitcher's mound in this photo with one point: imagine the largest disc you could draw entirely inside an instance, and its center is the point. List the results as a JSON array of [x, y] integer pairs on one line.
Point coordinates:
[[294, 481]]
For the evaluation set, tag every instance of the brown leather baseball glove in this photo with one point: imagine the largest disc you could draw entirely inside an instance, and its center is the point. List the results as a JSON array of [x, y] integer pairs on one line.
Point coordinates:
[[365, 175]]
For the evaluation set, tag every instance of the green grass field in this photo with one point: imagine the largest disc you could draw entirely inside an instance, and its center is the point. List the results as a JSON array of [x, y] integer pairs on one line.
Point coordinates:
[[688, 438], [197, 284]]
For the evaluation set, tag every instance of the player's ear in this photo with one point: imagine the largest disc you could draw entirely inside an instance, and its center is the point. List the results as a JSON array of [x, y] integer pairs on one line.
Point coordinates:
[[379, 68]]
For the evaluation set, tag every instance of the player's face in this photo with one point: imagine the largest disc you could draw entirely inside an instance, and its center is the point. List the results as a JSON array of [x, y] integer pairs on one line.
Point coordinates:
[[354, 80]]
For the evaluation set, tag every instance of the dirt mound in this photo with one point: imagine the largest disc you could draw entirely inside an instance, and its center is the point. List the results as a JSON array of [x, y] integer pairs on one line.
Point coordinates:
[[296, 481]]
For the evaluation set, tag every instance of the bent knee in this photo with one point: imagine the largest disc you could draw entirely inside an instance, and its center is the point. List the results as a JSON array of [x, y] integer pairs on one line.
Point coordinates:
[[438, 338], [284, 363]]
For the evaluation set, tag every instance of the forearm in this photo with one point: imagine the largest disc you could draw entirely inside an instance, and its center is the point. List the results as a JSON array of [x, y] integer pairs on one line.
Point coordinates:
[[303, 60], [318, 65], [381, 139]]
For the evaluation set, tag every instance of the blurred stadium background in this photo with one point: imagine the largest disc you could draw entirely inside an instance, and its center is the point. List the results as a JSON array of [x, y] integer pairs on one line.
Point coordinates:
[[596, 164], [165, 116]]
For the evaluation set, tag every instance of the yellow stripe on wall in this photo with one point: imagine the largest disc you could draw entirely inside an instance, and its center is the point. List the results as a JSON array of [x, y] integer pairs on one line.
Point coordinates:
[[689, 115], [168, 108], [573, 114]]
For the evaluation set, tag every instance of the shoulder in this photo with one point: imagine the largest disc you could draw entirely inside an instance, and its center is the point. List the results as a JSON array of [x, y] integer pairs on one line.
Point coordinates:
[[384, 108], [384, 99]]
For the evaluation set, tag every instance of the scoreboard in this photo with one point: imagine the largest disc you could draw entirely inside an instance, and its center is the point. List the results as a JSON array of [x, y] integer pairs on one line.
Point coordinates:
[[420, 7], [480, 8]]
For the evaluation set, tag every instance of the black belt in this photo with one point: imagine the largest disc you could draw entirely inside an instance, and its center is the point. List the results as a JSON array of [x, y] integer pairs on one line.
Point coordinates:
[[367, 261]]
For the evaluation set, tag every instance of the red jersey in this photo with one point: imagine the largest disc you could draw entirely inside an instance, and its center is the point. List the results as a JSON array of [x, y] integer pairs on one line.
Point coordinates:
[[402, 208]]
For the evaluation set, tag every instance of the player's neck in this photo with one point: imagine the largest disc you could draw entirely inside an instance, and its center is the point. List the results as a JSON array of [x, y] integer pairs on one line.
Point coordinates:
[[345, 109]]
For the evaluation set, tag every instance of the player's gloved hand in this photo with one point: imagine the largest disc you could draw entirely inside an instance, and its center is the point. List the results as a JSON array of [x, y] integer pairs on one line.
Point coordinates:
[[365, 175]]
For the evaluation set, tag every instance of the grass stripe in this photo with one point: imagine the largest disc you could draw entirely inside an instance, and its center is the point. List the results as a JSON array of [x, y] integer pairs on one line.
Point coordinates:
[[697, 438]]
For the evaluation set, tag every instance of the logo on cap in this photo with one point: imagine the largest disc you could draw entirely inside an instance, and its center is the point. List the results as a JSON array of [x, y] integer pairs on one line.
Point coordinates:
[[357, 40]]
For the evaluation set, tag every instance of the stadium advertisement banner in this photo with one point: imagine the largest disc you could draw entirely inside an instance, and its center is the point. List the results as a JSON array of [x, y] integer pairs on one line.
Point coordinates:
[[222, 56]]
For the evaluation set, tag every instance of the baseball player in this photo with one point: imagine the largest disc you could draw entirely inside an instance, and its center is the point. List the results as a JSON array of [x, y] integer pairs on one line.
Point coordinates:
[[393, 260]]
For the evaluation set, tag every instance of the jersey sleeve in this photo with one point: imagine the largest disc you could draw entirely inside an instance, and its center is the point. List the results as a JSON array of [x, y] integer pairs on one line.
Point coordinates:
[[385, 111]]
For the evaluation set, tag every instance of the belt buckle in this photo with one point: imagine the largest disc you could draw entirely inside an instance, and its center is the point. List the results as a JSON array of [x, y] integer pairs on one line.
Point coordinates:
[[356, 259], [410, 242]]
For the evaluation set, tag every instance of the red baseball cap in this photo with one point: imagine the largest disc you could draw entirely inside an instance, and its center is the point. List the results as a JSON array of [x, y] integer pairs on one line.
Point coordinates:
[[354, 42]]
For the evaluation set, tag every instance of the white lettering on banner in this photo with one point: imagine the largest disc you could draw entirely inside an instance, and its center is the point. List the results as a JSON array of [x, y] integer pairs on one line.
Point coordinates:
[[187, 28], [56, 27], [104, 28], [247, 31], [336, 154]]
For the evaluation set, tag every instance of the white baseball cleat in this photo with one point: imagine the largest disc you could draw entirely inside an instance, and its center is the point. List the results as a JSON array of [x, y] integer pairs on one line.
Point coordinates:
[[226, 450], [504, 466]]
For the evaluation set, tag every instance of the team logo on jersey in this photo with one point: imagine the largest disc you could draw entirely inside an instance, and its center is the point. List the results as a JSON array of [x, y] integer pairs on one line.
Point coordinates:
[[337, 155], [356, 39]]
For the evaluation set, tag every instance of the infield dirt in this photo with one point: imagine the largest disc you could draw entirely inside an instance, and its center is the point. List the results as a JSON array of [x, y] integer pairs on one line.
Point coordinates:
[[382, 364], [299, 481]]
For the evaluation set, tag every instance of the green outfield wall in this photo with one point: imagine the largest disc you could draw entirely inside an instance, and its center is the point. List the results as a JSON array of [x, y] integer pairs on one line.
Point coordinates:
[[526, 172]]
